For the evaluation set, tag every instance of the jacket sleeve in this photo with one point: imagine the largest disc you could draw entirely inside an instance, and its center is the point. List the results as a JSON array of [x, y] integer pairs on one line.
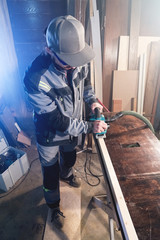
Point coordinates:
[[56, 121], [89, 94], [68, 125]]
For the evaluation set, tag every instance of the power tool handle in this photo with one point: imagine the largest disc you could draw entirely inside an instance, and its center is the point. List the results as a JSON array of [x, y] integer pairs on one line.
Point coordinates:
[[97, 113]]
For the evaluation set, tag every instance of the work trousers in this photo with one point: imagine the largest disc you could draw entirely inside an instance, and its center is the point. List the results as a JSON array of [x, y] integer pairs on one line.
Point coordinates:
[[56, 162]]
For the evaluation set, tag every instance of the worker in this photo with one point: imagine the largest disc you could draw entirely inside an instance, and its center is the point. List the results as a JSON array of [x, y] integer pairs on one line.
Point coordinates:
[[56, 83]]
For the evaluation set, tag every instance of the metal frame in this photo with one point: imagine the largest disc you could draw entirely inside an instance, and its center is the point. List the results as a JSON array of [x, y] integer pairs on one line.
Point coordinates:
[[113, 203], [101, 202]]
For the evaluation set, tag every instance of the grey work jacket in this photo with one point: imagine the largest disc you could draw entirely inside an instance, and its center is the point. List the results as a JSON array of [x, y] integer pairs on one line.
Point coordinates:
[[57, 99]]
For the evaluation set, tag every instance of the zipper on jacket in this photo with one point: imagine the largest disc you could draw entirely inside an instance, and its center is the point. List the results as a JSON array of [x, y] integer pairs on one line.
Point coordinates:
[[62, 101]]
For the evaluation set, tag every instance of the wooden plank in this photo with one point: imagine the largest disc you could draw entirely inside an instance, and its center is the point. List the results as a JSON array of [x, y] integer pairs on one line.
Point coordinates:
[[71, 7], [155, 102], [134, 34], [156, 124], [122, 63], [71, 207], [116, 105], [80, 10], [152, 77], [92, 65], [141, 83], [125, 87], [89, 41], [143, 46], [135, 153], [23, 138], [145, 42], [134, 104], [95, 29], [101, 6], [123, 213]]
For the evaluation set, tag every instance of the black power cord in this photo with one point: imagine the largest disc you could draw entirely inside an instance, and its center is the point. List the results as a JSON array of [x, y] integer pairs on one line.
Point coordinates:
[[87, 166], [24, 177], [88, 171]]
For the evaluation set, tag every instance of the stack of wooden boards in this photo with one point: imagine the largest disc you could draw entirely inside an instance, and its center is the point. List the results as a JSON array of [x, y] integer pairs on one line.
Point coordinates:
[[137, 90]]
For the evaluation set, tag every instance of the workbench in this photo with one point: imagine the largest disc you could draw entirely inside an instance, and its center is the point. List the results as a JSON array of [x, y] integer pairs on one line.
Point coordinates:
[[130, 160]]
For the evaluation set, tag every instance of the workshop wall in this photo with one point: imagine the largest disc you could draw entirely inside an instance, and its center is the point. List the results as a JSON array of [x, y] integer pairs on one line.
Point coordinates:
[[29, 20]]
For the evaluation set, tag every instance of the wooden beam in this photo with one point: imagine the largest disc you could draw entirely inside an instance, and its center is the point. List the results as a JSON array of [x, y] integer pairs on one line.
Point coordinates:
[[96, 40], [116, 105], [155, 102], [134, 34], [120, 204], [151, 78], [80, 10], [134, 104], [141, 83]]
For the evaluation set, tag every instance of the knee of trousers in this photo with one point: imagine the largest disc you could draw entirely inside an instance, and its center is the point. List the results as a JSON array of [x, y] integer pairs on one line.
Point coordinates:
[[68, 158], [51, 176]]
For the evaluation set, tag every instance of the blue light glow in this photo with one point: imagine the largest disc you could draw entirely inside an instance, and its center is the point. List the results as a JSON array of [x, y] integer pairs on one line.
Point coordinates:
[[9, 75]]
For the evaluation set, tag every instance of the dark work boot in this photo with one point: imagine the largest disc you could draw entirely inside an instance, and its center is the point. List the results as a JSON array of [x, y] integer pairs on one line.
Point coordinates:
[[57, 217], [72, 181]]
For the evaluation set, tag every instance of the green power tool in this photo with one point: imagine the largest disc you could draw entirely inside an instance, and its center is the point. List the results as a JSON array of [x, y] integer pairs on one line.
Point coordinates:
[[98, 117]]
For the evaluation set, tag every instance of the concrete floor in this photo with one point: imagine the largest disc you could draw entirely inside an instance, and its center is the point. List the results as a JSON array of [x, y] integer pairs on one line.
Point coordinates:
[[23, 212]]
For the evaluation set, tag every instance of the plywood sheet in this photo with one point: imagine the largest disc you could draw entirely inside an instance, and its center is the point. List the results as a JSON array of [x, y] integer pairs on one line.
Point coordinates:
[[125, 87], [122, 63]]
